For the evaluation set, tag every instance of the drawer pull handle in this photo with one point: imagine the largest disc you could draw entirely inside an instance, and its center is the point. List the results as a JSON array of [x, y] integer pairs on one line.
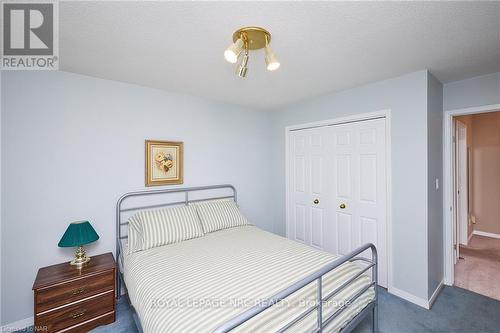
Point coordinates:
[[78, 314], [78, 291]]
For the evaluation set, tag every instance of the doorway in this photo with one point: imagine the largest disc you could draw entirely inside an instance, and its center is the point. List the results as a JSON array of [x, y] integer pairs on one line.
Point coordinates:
[[472, 213], [337, 185]]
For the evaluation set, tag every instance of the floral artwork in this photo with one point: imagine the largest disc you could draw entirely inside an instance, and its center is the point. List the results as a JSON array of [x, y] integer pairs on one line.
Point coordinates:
[[164, 162]]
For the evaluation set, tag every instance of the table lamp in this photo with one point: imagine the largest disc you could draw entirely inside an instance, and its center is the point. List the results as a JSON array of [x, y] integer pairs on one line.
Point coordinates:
[[78, 234]]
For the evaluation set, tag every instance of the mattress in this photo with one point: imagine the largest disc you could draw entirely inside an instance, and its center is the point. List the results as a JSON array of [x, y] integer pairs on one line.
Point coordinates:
[[198, 284]]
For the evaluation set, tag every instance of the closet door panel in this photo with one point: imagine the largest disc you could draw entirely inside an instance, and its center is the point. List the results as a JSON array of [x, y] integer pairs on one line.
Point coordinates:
[[368, 227], [299, 168], [319, 190], [368, 178], [343, 177], [317, 162], [360, 187], [307, 204], [317, 222], [344, 230], [300, 222], [300, 174]]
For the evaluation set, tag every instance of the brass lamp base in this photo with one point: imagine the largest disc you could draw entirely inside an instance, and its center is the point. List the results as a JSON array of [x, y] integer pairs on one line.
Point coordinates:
[[80, 258]]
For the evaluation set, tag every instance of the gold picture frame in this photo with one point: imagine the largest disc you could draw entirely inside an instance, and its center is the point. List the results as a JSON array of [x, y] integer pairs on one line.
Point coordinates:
[[164, 162]]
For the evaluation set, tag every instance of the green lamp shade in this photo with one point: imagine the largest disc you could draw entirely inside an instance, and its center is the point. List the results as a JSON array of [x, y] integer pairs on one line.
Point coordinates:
[[78, 233]]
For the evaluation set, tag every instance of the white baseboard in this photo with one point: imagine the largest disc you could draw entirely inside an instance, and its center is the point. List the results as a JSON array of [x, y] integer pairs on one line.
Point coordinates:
[[486, 234], [436, 293], [409, 297], [17, 325], [426, 304]]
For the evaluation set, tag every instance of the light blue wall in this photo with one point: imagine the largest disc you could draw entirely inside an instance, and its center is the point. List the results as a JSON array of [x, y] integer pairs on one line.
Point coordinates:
[[406, 96], [71, 145], [435, 171], [476, 91]]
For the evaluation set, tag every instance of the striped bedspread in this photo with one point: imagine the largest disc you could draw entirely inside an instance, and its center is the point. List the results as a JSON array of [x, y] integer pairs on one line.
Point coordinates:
[[198, 284]]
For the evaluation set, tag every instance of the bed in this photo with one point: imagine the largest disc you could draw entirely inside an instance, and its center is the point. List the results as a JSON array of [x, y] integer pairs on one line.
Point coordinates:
[[242, 279]]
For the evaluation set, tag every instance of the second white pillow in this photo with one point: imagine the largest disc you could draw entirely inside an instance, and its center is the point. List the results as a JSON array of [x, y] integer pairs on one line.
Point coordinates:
[[219, 214]]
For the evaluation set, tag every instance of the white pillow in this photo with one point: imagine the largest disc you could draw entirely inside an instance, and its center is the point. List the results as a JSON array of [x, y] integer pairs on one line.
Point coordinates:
[[149, 229], [219, 214]]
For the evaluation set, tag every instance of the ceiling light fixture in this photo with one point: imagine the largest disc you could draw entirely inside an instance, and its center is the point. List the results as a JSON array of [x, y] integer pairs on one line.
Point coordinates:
[[246, 39]]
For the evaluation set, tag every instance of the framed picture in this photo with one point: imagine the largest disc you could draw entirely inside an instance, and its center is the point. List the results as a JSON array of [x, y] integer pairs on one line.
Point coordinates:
[[164, 162]]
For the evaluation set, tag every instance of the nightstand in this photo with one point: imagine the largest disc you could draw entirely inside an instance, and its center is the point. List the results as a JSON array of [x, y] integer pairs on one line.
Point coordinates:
[[75, 300]]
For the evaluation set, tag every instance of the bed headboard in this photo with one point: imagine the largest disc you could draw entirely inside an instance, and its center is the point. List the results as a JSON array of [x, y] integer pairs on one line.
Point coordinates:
[[164, 198]]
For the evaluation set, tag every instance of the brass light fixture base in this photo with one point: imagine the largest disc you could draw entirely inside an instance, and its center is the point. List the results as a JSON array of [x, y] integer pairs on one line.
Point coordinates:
[[256, 37], [80, 258]]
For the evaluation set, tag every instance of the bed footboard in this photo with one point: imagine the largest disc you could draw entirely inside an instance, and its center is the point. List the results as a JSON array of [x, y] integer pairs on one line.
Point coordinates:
[[317, 276]]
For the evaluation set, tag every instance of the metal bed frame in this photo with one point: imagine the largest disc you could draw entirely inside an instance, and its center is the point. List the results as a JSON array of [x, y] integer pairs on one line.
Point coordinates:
[[354, 256]]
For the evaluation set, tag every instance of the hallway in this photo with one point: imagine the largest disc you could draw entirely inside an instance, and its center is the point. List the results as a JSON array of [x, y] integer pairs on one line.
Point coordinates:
[[479, 270]]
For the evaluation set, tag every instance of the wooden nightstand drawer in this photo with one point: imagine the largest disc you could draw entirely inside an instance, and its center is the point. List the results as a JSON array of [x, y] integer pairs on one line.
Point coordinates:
[[68, 292], [76, 313]]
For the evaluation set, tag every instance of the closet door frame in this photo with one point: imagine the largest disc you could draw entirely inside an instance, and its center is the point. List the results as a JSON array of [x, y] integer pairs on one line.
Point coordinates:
[[342, 120]]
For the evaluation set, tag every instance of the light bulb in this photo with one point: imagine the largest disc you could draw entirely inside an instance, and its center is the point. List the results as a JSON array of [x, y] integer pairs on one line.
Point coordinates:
[[272, 62], [233, 51], [242, 68]]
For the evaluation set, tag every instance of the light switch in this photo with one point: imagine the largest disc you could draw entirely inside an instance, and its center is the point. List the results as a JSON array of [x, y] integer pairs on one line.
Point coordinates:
[[437, 183]]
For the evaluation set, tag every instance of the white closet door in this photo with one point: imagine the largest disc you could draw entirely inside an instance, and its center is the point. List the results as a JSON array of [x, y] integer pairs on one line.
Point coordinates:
[[337, 188], [308, 188], [359, 188]]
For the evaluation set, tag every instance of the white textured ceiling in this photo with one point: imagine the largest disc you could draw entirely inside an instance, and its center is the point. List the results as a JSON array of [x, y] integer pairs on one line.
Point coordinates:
[[322, 46]]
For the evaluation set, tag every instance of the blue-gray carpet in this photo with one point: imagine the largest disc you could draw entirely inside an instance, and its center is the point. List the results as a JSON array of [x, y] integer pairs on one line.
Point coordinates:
[[455, 310]]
